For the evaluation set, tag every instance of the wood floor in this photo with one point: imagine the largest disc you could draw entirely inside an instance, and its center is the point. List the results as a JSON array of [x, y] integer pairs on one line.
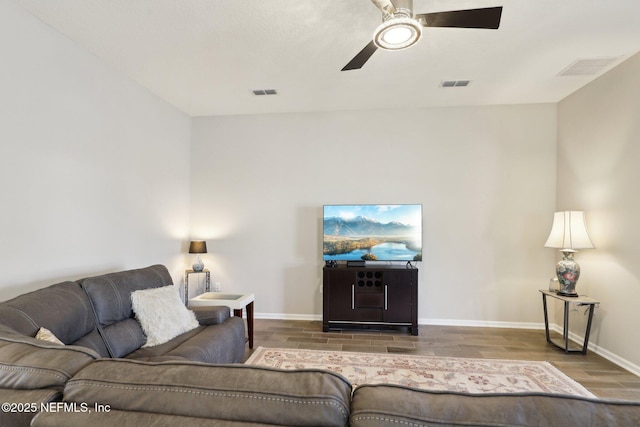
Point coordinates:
[[598, 375]]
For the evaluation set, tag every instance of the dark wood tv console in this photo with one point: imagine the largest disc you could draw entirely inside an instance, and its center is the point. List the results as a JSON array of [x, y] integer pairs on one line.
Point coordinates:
[[374, 297]]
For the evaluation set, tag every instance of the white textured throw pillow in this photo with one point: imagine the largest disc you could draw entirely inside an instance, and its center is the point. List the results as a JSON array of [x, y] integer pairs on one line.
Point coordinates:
[[162, 314], [46, 335]]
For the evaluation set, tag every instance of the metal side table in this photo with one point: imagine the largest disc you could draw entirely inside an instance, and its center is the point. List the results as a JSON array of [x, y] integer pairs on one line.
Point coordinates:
[[207, 282], [580, 301]]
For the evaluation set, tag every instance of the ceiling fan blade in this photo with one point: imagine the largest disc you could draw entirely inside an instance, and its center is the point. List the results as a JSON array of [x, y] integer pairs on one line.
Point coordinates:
[[385, 6], [363, 56], [488, 18]]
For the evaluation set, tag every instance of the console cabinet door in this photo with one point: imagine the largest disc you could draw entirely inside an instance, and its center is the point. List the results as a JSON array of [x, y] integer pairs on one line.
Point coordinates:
[[399, 288], [338, 289]]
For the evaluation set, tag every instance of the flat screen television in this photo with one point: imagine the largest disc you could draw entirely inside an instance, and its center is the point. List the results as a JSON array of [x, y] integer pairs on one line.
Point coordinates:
[[372, 233]]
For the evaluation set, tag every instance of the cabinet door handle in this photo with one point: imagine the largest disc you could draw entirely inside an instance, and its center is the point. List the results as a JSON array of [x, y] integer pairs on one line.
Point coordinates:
[[385, 297], [353, 297]]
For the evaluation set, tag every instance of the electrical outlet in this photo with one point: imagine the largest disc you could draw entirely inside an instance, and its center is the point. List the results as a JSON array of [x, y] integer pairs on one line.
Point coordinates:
[[216, 286]]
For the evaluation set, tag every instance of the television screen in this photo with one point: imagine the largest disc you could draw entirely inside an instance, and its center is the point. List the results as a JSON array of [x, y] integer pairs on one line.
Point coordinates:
[[372, 233]]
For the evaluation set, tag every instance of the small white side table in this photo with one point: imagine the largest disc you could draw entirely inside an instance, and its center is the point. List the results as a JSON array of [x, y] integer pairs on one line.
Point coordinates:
[[236, 302]]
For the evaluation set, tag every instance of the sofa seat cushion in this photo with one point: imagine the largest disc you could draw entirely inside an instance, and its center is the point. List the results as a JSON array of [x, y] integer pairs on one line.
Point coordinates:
[[389, 405], [148, 354], [208, 344], [238, 393]]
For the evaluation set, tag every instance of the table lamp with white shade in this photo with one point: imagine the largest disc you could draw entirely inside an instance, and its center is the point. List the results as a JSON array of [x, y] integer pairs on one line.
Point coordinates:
[[568, 233]]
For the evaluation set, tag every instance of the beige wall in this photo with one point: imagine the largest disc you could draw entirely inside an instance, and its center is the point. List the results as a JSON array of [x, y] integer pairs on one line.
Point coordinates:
[[95, 176], [485, 177], [94, 171], [598, 172]]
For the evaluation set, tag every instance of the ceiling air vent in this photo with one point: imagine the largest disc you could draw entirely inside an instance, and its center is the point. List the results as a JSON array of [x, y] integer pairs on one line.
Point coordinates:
[[260, 92], [588, 67], [455, 83]]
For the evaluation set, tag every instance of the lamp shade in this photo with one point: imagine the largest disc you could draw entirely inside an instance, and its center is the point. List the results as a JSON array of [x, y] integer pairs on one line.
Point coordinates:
[[569, 231], [198, 247]]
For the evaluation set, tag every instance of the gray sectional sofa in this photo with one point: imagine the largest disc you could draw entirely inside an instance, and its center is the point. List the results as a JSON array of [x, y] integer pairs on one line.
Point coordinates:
[[103, 377], [96, 313], [93, 317], [182, 393]]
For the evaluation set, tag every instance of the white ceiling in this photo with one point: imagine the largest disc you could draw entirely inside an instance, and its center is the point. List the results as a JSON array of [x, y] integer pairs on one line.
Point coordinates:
[[206, 56]]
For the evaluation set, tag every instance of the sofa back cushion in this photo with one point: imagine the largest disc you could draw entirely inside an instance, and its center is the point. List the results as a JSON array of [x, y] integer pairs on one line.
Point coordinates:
[[63, 308], [110, 295], [235, 393], [391, 405]]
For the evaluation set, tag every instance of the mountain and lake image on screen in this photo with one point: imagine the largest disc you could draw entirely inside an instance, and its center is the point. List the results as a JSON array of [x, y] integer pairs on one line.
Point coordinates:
[[372, 233]]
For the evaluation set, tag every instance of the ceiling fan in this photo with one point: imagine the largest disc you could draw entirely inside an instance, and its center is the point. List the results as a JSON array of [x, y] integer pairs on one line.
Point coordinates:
[[400, 28]]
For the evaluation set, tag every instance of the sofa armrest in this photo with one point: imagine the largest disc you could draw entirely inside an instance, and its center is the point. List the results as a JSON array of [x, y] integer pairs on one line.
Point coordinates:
[[28, 364], [211, 315], [389, 405], [33, 372], [238, 393], [24, 405]]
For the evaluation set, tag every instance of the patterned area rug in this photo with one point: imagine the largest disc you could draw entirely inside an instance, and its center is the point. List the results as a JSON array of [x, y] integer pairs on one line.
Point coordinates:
[[427, 372]]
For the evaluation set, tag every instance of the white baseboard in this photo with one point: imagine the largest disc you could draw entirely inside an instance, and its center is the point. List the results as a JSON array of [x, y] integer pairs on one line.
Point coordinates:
[[623, 363], [481, 323], [282, 316], [443, 322], [612, 357]]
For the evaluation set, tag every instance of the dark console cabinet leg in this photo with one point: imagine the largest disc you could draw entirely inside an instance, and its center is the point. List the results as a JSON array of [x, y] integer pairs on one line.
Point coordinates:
[[380, 296]]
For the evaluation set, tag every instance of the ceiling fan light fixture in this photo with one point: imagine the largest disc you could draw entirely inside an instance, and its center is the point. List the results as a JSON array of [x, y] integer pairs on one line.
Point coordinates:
[[397, 33]]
